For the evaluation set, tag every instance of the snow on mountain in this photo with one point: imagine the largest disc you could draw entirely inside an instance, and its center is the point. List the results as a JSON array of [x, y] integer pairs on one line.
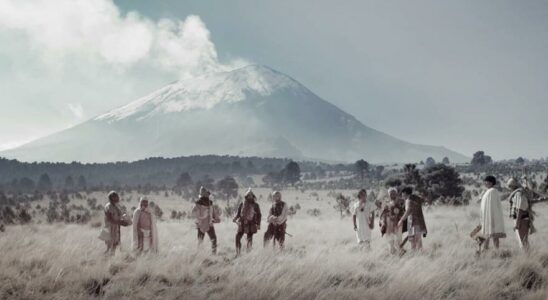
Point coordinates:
[[251, 111], [205, 92]]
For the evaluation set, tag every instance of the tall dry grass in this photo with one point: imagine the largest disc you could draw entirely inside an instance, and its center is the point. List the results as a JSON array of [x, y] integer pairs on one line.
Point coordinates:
[[321, 261]]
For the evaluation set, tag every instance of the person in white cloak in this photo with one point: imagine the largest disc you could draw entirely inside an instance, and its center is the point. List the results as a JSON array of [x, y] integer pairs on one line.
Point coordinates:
[[145, 232], [363, 217], [492, 221]]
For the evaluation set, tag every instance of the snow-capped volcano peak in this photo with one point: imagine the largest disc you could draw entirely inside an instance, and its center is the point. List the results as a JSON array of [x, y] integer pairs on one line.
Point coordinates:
[[251, 111], [204, 92]]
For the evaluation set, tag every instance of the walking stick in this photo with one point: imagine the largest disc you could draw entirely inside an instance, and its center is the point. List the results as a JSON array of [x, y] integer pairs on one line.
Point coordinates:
[[404, 242]]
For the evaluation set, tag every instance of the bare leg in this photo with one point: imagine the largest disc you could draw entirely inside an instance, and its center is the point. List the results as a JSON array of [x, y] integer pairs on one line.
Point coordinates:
[[249, 242], [419, 242], [523, 235], [496, 242], [239, 236], [213, 237], [200, 237], [268, 235]]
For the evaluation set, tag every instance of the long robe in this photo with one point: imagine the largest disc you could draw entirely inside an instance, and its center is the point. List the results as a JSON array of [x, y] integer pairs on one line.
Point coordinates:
[[492, 221], [113, 215], [363, 232], [153, 246]]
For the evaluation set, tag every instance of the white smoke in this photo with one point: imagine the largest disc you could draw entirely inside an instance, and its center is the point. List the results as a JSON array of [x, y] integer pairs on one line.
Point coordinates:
[[77, 110], [97, 29]]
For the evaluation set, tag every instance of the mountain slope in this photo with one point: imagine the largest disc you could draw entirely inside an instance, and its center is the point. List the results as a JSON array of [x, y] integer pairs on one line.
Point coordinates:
[[249, 111]]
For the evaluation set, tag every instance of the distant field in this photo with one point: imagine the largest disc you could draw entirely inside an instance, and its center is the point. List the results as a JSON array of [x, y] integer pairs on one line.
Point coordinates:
[[321, 261]]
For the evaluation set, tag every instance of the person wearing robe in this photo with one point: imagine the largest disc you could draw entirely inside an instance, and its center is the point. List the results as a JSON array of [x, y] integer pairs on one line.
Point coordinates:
[[277, 218], [492, 221], [248, 218], [363, 218], [205, 215], [113, 221], [416, 225], [520, 212], [391, 212], [145, 232]]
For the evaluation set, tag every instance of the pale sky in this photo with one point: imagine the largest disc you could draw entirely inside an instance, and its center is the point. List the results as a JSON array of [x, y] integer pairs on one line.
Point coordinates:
[[468, 75]]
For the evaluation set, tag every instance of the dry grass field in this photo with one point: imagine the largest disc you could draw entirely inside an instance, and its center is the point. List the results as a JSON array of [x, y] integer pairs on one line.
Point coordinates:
[[321, 261]]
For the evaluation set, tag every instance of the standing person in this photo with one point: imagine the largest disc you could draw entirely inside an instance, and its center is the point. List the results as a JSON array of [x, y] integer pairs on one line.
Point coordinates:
[[391, 212], [206, 214], [113, 221], [416, 226], [277, 218], [492, 221], [145, 232], [248, 219], [520, 211], [363, 218]]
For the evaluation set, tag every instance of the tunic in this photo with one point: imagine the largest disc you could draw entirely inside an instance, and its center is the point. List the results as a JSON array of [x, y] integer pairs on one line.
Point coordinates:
[[391, 213], [205, 214], [518, 201], [492, 221], [249, 217], [363, 218], [415, 221], [145, 232], [278, 213]]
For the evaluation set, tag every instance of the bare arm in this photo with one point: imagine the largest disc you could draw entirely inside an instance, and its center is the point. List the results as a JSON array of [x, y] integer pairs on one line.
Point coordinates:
[[406, 214], [283, 217], [239, 211], [354, 221]]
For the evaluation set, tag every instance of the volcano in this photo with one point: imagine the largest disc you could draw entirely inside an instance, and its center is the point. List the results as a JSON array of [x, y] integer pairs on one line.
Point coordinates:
[[250, 111]]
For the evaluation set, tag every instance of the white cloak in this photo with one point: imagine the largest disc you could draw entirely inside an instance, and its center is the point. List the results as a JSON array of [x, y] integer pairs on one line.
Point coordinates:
[[153, 247], [492, 221], [363, 233]]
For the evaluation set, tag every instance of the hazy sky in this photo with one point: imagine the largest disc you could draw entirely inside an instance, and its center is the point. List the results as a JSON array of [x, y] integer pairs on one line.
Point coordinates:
[[468, 75]]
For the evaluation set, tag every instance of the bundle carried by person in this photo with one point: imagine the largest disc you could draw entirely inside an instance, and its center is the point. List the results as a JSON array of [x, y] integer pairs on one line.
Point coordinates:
[[126, 220]]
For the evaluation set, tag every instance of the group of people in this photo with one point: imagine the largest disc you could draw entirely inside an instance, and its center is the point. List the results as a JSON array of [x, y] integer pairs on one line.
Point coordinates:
[[492, 220], [404, 214], [206, 215], [145, 232], [248, 218], [398, 213]]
